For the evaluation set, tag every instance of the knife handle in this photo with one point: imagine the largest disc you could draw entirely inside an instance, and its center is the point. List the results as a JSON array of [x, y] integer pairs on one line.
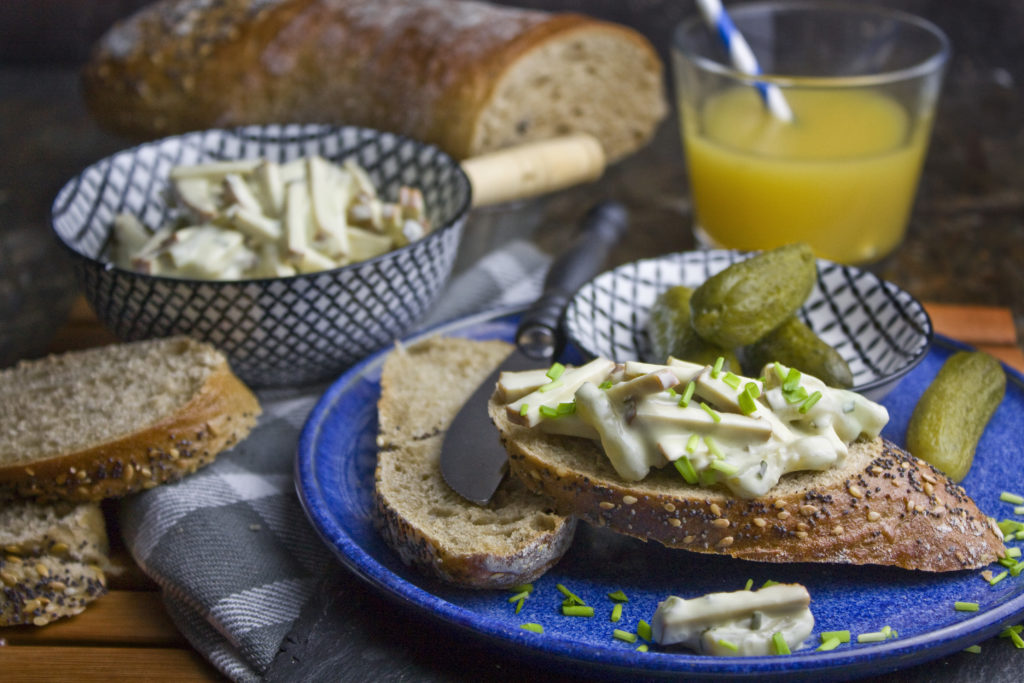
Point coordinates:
[[539, 334]]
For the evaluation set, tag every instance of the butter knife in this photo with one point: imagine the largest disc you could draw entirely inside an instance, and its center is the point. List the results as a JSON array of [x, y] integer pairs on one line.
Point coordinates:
[[473, 461]]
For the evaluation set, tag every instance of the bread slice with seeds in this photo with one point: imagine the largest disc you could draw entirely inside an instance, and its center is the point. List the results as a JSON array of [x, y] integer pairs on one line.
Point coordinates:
[[105, 422], [514, 539], [53, 560], [882, 506]]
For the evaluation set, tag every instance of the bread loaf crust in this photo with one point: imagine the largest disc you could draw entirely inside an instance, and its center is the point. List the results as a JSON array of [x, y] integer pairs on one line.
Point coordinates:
[[430, 69], [883, 507], [217, 417]]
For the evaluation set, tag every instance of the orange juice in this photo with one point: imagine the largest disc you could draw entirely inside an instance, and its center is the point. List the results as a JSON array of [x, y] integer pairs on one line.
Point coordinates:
[[842, 177]]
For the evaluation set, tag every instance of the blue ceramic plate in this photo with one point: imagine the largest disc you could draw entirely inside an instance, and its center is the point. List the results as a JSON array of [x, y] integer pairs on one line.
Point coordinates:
[[334, 471]]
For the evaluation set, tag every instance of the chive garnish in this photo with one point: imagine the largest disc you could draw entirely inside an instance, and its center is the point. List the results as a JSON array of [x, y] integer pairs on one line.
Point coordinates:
[[577, 610], [618, 596], [519, 596], [687, 395], [779, 372], [769, 582], [875, 637], [536, 628], [616, 612], [607, 384], [973, 649], [548, 411], [685, 468], [566, 408], [672, 392], [571, 597], [829, 644], [1013, 498], [841, 636], [708, 477], [746, 402], [522, 588], [750, 584], [724, 466], [643, 629], [555, 371], [692, 443], [641, 647], [809, 403], [713, 447], [997, 578], [1013, 552], [792, 380], [961, 606], [779, 644], [716, 369], [1016, 569], [732, 380], [795, 396], [729, 645], [626, 636], [519, 605], [1013, 633], [710, 411], [523, 409], [752, 389], [1019, 510]]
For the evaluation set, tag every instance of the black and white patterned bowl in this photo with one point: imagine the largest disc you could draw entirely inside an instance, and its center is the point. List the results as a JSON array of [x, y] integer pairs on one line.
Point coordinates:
[[879, 329], [275, 331]]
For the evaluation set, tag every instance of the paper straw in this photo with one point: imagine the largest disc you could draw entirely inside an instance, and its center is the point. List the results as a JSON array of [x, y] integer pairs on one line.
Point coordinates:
[[743, 57]]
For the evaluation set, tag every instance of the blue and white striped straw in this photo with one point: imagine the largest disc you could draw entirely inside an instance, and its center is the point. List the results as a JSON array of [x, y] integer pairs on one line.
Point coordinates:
[[743, 57]]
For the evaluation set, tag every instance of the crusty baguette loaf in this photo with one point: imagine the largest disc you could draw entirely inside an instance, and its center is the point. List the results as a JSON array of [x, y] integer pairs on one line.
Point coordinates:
[[53, 560], [467, 76], [113, 420], [883, 506], [514, 539]]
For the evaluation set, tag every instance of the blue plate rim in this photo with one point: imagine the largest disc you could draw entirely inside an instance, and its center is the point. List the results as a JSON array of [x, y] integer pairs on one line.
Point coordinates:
[[876, 658]]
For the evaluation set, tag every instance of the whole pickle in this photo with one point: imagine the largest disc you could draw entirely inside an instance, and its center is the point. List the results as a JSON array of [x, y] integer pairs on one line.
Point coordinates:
[[794, 344], [672, 334], [749, 299], [953, 411]]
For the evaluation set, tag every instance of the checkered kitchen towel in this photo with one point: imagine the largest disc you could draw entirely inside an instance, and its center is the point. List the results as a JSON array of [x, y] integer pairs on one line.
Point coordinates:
[[230, 546]]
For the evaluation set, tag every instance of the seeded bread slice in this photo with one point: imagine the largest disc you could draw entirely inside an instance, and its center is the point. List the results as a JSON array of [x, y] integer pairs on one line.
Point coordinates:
[[53, 560], [113, 420], [883, 506], [514, 539]]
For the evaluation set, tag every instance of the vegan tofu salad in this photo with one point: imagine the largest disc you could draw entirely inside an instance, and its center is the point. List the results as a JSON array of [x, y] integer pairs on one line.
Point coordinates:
[[714, 426]]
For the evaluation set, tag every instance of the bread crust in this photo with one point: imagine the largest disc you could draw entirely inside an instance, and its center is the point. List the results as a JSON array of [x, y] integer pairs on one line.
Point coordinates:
[[883, 507], [217, 417], [427, 69]]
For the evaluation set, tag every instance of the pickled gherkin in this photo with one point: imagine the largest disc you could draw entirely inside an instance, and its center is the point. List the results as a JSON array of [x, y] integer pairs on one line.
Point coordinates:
[[672, 334], [794, 344], [952, 413], [749, 299]]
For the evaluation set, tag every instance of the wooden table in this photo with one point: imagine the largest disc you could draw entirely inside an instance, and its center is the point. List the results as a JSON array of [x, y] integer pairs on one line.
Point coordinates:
[[127, 635]]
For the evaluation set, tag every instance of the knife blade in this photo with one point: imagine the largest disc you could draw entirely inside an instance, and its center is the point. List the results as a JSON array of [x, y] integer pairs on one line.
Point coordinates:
[[473, 461]]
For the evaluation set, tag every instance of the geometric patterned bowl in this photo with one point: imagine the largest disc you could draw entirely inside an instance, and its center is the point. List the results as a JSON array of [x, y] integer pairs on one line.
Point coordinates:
[[275, 331], [879, 329]]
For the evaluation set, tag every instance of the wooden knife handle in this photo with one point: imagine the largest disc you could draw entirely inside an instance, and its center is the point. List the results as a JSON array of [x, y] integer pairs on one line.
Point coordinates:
[[534, 168]]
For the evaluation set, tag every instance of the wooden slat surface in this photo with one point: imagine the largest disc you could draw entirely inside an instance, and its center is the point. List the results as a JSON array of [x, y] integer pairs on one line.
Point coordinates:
[[126, 635]]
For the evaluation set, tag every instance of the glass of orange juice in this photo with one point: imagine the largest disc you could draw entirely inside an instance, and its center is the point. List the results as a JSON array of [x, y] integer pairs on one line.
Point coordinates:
[[862, 83]]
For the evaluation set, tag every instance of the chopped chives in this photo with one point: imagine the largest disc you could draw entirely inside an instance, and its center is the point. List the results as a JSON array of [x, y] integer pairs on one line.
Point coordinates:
[[1016, 569], [875, 637], [724, 466], [796, 396], [746, 402], [829, 644], [685, 468], [571, 597], [716, 369], [729, 645], [523, 409], [692, 443], [792, 380], [1014, 635], [1013, 552], [522, 588], [548, 411], [519, 605], [1005, 633], [555, 371], [710, 411], [961, 606], [841, 636], [616, 612], [1007, 561], [779, 644], [973, 649], [708, 477], [779, 372], [672, 392], [553, 384], [607, 384], [519, 596], [577, 610], [732, 380], [750, 584], [769, 582], [1019, 510], [687, 395], [626, 636], [809, 403], [643, 629], [618, 596], [1008, 497], [713, 448], [536, 628], [566, 408], [752, 389], [997, 578], [642, 647]]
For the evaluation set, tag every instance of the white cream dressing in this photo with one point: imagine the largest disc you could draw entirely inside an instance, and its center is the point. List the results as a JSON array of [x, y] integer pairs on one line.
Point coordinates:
[[740, 623], [743, 433]]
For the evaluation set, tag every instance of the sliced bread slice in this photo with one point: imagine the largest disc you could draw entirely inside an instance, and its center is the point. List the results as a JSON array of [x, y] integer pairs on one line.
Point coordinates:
[[514, 539], [113, 420], [883, 506], [53, 560]]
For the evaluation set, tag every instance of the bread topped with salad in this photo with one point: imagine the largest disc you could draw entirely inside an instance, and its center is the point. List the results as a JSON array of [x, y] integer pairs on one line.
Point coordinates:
[[781, 468]]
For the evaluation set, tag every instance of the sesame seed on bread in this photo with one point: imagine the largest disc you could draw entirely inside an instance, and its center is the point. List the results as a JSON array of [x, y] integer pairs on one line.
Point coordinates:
[[512, 540], [882, 506], [109, 421]]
